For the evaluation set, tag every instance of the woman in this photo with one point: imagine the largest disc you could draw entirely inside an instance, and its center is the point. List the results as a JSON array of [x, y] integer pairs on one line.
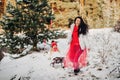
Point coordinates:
[[76, 56]]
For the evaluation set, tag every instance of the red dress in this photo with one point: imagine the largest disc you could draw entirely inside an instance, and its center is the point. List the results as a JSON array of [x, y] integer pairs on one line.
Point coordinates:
[[74, 57]]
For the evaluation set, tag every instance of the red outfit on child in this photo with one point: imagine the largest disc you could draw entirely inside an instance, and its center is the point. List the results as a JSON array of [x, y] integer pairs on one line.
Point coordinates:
[[54, 46], [75, 57]]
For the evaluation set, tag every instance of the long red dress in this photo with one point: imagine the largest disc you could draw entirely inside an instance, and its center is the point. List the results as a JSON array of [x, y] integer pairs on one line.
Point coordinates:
[[76, 57]]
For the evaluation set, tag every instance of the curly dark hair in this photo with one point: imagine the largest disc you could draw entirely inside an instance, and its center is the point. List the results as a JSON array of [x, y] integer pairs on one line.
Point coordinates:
[[83, 27]]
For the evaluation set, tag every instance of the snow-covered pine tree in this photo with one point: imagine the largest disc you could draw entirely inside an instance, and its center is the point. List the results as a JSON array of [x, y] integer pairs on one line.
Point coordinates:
[[37, 14], [27, 24]]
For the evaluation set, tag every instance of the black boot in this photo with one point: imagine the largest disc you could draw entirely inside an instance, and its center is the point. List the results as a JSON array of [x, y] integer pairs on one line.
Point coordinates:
[[76, 71]]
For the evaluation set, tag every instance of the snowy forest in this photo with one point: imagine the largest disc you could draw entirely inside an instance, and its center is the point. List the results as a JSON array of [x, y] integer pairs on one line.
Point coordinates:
[[29, 28]]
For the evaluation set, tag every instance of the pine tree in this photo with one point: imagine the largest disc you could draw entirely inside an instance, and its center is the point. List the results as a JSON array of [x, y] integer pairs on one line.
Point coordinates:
[[27, 24]]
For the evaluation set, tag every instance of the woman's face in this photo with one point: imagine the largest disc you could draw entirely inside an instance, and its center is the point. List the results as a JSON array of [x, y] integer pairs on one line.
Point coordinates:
[[77, 22]]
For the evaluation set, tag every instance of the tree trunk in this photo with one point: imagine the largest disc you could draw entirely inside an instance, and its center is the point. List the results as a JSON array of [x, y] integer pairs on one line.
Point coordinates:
[[2, 7], [35, 44], [1, 55]]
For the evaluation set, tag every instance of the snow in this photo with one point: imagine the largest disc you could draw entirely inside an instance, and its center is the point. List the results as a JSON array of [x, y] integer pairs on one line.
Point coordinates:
[[103, 58]]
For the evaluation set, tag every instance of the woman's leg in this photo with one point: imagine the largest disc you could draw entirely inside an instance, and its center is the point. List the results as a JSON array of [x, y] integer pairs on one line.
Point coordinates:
[[75, 63]]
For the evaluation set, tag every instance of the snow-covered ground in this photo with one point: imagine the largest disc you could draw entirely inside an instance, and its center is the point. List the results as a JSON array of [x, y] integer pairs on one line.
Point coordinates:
[[103, 58]]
